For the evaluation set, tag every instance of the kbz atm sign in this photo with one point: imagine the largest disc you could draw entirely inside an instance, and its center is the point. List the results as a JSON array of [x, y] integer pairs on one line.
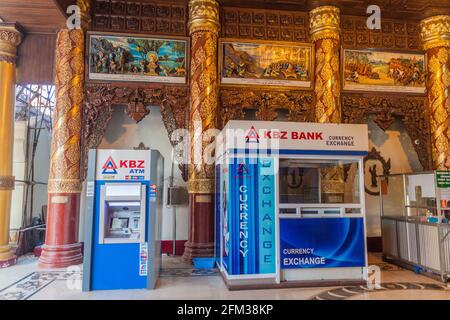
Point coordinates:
[[136, 166], [122, 165]]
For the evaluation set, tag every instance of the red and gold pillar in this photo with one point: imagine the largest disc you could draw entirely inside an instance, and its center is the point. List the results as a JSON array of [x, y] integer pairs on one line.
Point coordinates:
[[325, 33], [435, 34], [10, 38], [61, 247], [204, 29]]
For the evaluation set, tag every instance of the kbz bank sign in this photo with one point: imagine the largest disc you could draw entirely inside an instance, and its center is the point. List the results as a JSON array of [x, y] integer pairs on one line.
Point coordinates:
[[122, 165], [293, 138]]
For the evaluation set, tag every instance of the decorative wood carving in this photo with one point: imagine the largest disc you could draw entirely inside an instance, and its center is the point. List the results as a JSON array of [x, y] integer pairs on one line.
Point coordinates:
[[141, 146], [235, 101], [140, 16], [394, 34], [264, 24], [392, 9], [374, 154], [356, 108], [101, 97]]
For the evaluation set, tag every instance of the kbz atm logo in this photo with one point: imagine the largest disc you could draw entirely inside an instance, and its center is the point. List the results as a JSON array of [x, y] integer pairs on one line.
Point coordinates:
[[135, 166]]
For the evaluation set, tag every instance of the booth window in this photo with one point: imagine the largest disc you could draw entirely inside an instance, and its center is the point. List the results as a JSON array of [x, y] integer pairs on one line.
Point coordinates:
[[411, 195], [420, 195], [304, 181]]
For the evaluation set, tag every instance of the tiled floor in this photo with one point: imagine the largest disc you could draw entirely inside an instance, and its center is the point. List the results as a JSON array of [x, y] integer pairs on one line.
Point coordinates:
[[25, 281]]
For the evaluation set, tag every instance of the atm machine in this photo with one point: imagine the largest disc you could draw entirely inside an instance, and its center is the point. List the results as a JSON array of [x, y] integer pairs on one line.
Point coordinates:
[[123, 219]]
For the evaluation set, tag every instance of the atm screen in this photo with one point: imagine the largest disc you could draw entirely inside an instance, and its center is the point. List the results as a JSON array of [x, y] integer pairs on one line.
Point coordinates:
[[124, 221], [119, 223]]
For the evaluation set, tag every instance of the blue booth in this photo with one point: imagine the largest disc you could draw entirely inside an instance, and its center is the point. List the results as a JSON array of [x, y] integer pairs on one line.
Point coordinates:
[[290, 203], [123, 219]]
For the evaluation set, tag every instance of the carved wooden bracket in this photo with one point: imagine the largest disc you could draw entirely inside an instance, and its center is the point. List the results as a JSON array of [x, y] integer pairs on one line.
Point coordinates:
[[412, 110], [374, 154], [100, 98], [235, 101]]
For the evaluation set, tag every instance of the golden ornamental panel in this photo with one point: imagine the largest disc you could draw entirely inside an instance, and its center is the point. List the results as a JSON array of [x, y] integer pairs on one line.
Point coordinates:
[[203, 16], [66, 137], [435, 32], [202, 186], [324, 23], [327, 82], [64, 186], [7, 183], [439, 105], [203, 102], [10, 38]]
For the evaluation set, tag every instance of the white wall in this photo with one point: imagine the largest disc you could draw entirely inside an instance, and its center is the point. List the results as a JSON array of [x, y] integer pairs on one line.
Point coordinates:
[[19, 163], [394, 144], [124, 133], [41, 171]]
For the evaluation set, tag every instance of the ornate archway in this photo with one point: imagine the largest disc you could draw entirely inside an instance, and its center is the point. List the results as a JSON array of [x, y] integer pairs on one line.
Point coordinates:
[[98, 109]]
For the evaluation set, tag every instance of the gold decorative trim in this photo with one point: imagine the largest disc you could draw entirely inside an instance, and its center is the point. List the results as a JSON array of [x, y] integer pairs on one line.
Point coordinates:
[[65, 156], [327, 87], [10, 38], [85, 9], [203, 16], [324, 23], [438, 85], [202, 186], [203, 92], [7, 183], [64, 186], [435, 32]]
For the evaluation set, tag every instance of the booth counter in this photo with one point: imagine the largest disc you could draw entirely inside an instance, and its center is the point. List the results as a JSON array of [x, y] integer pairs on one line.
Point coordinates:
[[415, 212], [290, 204]]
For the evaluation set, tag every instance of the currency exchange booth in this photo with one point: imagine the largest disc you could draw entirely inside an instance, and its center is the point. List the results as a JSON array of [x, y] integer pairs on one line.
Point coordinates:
[[290, 204], [123, 219]]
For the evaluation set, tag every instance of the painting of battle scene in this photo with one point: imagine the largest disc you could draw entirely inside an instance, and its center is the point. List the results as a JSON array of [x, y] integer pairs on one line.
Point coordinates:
[[384, 71], [266, 64], [125, 58]]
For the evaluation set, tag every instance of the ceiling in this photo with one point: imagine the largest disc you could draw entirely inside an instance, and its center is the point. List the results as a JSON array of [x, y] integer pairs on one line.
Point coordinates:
[[35, 16], [47, 16]]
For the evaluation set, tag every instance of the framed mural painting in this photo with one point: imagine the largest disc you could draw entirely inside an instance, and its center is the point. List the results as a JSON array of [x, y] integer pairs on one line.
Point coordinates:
[[383, 71], [266, 63], [137, 58]]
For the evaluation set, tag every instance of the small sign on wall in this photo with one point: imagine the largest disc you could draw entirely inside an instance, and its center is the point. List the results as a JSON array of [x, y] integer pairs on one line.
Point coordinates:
[[443, 179], [143, 259]]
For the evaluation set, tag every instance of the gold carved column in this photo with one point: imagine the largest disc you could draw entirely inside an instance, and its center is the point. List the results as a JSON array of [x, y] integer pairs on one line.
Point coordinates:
[[325, 33], [61, 247], [10, 38], [435, 34], [204, 29]]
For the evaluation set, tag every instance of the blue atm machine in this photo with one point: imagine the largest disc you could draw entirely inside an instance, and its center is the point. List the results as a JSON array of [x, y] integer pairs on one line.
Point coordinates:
[[123, 219]]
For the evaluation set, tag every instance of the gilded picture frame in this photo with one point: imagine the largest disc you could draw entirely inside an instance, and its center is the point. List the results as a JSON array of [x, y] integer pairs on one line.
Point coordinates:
[[383, 71], [117, 57], [267, 64]]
